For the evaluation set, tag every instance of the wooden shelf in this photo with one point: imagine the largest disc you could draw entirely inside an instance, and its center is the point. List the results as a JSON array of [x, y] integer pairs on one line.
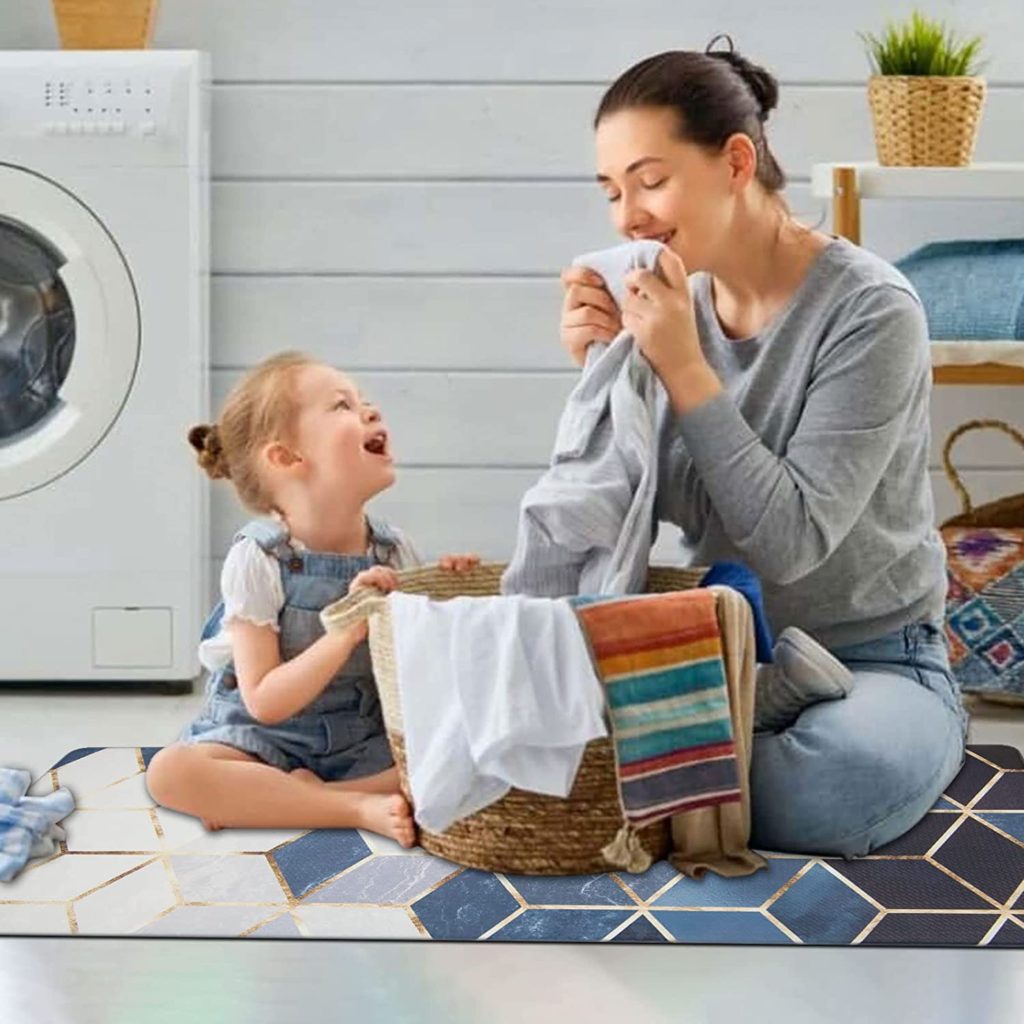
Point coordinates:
[[850, 182], [979, 373], [976, 181]]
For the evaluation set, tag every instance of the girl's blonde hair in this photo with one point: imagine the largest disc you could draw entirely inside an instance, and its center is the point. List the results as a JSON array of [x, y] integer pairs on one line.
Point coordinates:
[[261, 407]]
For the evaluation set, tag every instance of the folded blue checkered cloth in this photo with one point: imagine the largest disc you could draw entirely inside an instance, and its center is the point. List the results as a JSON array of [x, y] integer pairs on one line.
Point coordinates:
[[28, 824], [971, 290]]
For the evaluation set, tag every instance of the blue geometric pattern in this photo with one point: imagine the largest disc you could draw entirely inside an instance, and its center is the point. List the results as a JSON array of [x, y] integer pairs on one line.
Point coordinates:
[[1003, 650], [307, 862], [973, 621], [470, 904], [720, 926], [956, 878], [821, 908]]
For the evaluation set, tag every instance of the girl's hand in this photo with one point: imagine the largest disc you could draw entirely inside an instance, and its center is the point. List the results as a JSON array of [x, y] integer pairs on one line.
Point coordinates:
[[380, 576], [459, 563], [589, 312], [660, 317]]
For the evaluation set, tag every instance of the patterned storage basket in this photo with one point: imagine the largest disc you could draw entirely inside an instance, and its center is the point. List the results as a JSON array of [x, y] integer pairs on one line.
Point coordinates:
[[523, 833], [985, 601]]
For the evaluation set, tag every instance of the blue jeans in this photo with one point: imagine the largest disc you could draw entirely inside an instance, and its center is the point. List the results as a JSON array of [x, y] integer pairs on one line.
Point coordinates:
[[853, 774]]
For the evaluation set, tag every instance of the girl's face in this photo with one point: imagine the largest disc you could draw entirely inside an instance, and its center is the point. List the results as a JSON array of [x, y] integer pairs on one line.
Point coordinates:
[[659, 186], [339, 436]]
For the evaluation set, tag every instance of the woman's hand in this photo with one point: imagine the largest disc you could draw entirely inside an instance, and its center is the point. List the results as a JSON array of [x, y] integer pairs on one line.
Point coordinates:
[[659, 314], [589, 312], [458, 563], [380, 576]]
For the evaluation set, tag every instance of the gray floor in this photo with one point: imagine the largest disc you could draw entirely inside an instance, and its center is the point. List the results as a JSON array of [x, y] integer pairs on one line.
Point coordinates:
[[39, 726]]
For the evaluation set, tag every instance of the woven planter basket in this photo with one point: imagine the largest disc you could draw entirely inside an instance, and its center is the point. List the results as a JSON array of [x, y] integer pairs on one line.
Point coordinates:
[[985, 564], [523, 833], [925, 120], [105, 24]]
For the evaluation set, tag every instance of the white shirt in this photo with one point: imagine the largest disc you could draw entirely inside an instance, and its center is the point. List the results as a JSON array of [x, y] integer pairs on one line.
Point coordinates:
[[252, 591], [495, 692]]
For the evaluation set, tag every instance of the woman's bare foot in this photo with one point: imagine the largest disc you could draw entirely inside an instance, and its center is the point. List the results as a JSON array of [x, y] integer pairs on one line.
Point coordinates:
[[388, 815], [210, 826]]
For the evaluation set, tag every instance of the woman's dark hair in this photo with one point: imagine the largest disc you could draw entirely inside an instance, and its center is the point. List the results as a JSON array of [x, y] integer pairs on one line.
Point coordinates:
[[714, 94]]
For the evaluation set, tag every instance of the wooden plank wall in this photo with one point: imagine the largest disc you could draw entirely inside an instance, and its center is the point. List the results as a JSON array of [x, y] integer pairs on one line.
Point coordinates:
[[395, 187]]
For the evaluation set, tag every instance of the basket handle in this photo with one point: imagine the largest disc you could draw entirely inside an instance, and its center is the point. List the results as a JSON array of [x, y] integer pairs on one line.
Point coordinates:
[[353, 608], [947, 462]]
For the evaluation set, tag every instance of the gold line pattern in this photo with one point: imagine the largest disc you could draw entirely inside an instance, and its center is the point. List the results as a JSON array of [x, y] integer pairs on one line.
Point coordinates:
[[639, 908], [282, 881]]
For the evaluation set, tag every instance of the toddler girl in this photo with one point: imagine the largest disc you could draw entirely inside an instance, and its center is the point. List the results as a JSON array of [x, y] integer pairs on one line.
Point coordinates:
[[291, 735]]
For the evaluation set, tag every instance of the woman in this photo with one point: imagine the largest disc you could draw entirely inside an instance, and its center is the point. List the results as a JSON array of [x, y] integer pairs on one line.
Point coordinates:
[[798, 373]]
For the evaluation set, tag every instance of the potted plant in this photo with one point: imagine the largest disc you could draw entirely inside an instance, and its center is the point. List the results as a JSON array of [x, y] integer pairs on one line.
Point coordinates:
[[105, 24], [925, 95]]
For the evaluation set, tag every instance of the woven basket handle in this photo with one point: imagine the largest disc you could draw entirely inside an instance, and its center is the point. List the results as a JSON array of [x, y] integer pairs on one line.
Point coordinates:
[[947, 462], [355, 607]]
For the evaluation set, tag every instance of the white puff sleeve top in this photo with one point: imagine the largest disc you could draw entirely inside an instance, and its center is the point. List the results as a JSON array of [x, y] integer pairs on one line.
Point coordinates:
[[252, 591]]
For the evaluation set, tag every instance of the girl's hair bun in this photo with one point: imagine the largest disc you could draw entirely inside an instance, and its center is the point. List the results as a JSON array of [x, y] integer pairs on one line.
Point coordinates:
[[205, 439]]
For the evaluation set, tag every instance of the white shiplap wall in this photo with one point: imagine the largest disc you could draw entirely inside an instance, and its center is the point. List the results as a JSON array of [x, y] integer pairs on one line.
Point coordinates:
[[396, 186]]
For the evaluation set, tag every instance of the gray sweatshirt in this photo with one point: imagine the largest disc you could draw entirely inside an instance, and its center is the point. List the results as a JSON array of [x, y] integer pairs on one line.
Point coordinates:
[[812, 466]]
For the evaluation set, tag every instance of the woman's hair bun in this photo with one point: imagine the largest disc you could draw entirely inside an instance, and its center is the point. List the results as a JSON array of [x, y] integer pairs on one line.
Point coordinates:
[[205, 439], [761, 82]]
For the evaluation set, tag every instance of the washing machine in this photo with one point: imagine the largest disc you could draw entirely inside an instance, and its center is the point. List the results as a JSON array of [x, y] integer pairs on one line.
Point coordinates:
[[103, 364]]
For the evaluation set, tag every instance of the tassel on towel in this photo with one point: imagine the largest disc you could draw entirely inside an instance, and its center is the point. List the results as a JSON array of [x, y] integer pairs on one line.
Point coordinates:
[[626, 851]]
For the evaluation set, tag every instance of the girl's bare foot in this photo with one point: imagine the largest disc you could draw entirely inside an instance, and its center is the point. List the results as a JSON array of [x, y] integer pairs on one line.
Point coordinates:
[[388, 814], [210, 826]]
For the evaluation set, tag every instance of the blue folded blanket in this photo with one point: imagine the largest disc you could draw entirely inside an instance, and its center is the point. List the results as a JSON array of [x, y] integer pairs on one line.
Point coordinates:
[[970, 289], [28, 824]]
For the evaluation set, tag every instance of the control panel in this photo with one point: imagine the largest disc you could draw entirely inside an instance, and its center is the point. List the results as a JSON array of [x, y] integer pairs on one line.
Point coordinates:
[[111, 104], [102, 108]]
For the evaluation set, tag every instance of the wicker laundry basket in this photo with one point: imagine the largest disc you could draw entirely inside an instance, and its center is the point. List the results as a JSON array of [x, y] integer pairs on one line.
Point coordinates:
[[985, 599], [523, 833]]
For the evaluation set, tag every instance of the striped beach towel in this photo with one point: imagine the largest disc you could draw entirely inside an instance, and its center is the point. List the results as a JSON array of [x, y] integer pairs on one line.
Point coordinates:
[[660, 659]]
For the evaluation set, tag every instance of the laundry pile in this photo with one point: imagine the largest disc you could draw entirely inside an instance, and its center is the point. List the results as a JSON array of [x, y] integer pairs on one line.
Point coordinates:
[[505, 692]]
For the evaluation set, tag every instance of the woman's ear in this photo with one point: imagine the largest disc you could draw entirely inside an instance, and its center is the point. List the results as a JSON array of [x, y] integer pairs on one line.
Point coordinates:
[[741, 153]]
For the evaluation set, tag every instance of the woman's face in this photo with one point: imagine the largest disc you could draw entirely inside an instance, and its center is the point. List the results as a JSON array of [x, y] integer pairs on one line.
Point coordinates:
[[659, 186]]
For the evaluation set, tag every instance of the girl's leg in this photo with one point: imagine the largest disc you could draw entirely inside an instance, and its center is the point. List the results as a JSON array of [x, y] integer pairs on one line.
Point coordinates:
[[383, 782], [851, 775], [229, 788]]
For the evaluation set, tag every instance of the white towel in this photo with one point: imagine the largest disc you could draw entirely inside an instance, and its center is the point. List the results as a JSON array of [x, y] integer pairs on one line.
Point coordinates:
[[587, 526], [495, 693]]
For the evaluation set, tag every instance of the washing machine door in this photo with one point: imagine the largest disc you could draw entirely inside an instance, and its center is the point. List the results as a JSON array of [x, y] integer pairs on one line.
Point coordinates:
[[69, 331]]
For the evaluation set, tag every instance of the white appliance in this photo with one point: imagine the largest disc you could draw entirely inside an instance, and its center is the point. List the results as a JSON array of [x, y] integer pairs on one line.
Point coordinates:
[[103, 363]]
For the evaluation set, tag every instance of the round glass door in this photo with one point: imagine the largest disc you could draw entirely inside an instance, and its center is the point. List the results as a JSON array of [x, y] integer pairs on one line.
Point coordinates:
[[37, 329], [69, 331]]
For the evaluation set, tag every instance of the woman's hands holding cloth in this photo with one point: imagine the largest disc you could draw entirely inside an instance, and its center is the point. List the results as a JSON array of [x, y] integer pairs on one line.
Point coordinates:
[[657, 310]]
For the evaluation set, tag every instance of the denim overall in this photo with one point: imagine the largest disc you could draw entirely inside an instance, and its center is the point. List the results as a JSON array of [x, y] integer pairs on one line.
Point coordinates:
[[341, 733]]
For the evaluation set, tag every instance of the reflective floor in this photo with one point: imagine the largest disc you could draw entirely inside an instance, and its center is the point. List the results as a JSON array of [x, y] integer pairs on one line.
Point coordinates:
[[99, 981]]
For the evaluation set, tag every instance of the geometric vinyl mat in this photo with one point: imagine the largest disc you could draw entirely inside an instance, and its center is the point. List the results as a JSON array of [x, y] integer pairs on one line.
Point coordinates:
[[129, 868]]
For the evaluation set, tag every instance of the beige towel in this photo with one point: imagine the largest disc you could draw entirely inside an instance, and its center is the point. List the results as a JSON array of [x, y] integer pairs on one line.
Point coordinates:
[[716, 838]]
